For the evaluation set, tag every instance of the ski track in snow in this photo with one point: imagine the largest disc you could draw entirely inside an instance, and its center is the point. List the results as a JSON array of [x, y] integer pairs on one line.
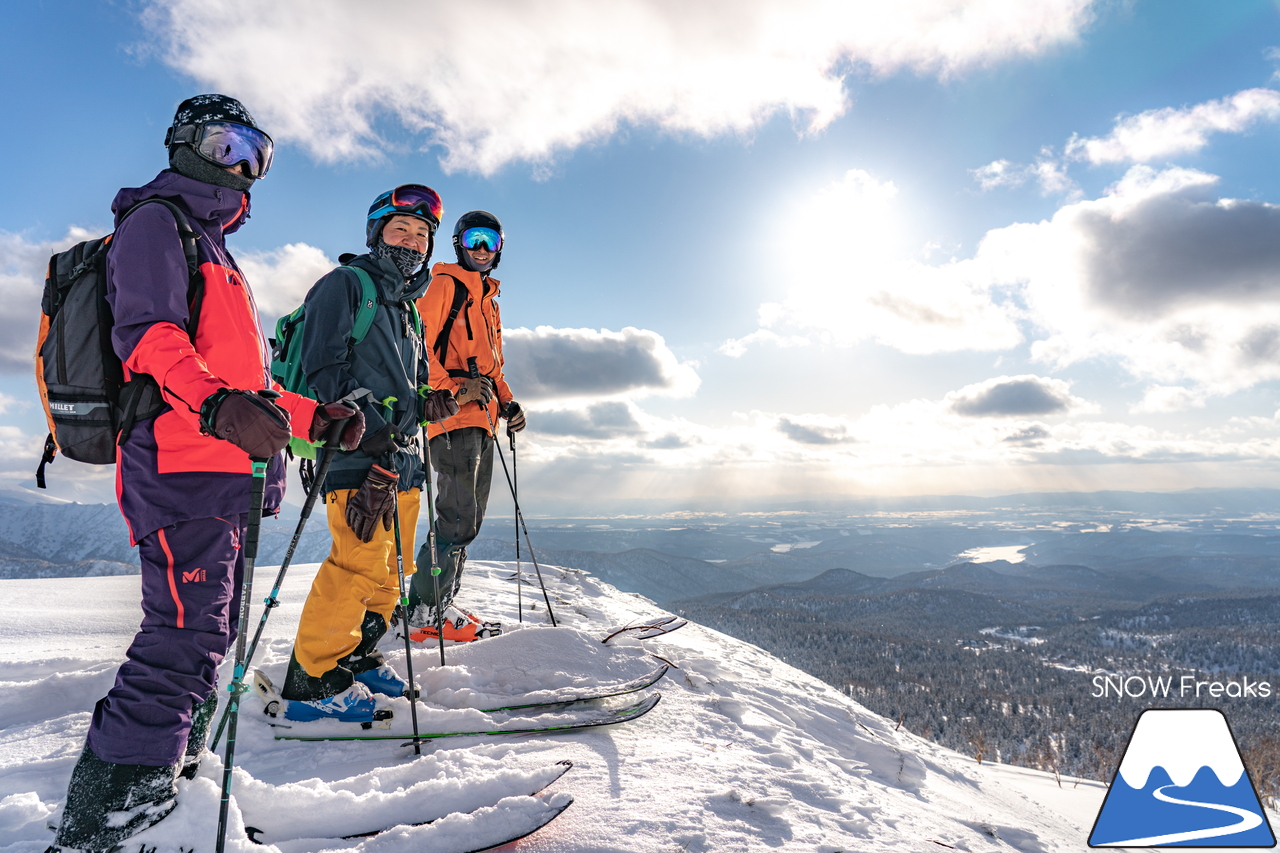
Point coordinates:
[[743, 753]]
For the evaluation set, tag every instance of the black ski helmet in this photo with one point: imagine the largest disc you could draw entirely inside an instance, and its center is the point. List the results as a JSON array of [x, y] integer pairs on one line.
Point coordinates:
[[477, 219]]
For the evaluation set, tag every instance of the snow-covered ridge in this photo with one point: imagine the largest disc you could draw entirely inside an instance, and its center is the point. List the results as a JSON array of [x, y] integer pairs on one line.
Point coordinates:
[[744, 753]]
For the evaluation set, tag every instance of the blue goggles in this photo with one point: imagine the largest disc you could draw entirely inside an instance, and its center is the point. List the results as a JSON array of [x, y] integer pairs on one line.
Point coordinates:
[[481, 238], [226, 144]]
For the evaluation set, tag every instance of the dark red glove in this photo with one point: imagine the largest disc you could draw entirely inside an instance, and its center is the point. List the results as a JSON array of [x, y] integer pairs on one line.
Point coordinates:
[[249, 420], [374, 501], [439, 406], [327, 413]]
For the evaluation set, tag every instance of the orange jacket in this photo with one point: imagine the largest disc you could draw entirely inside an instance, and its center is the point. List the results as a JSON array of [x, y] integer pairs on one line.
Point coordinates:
[[476, 333]]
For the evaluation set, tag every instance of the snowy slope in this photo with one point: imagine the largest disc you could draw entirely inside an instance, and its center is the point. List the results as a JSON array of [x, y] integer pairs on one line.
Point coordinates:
[[742, 753]]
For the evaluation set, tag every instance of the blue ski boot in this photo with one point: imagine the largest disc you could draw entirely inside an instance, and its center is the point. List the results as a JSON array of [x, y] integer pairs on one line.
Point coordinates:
[[353, 705], [383, 680]]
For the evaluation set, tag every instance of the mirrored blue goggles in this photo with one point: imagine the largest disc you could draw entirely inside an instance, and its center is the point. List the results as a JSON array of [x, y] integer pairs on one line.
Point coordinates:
[[481, 238], [227, 144]]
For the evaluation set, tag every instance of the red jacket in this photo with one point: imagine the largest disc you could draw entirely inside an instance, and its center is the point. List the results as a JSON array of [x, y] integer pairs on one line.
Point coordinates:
[[167, 470]]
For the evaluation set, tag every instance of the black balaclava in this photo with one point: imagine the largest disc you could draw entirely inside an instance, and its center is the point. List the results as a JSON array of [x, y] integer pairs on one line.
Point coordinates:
[[406, 260], [469, 263], [197, 110]]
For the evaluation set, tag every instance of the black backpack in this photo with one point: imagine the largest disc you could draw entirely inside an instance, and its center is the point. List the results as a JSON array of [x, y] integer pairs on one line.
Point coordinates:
[[89, 406]]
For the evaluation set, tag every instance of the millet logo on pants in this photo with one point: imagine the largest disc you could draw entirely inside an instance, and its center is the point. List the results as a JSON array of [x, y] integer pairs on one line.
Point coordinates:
[[196, 575]]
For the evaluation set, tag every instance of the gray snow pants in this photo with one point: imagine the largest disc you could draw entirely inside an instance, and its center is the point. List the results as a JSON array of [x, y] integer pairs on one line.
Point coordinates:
[[463, 461]]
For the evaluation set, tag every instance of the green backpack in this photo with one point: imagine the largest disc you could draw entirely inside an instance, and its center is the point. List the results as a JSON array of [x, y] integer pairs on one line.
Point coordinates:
[[286, 347]]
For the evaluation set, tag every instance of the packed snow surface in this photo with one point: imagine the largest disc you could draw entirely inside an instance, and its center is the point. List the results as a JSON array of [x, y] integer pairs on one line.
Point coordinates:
[[743, 753]]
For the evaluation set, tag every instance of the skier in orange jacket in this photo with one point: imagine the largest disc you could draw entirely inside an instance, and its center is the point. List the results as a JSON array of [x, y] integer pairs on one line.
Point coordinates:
[[462, 328]]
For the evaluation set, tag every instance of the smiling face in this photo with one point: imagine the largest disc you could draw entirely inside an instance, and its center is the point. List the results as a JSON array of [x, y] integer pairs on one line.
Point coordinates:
[[480, 257], [408, 231]]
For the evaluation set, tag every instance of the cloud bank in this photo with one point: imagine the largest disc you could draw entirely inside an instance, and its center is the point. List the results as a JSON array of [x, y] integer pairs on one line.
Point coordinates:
[[558, 74], [559, 364], [1177, 285]]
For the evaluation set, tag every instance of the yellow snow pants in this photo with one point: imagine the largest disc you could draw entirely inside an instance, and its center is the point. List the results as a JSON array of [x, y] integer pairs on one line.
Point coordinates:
[[355, 577]]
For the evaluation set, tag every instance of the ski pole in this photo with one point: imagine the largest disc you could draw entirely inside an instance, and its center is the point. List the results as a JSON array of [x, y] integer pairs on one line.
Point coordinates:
[[237, 684], [431, 543], [515, 527], [493, 433], [271, 601], [404, 614]]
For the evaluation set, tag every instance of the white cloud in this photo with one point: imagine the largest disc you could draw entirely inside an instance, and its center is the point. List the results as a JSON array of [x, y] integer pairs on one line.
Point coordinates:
[[870, 286], [1169, 398], [1048, 171], [493, 82], [281, 278], [567, 364], [1153, 135], [1168, 132]]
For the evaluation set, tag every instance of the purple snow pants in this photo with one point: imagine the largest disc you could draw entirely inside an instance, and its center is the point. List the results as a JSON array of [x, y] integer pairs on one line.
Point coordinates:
[[191, 576]]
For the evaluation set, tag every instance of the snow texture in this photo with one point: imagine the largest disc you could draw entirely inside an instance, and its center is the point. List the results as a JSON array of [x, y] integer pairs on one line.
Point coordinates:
[[744, 753]]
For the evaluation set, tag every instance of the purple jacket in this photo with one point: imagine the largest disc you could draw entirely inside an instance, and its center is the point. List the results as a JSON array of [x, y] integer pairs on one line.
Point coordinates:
[[167, 471]]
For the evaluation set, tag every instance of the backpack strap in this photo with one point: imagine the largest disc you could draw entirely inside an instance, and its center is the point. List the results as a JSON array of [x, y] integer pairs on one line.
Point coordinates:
[[460, 294], [133, 390], [368, 306]]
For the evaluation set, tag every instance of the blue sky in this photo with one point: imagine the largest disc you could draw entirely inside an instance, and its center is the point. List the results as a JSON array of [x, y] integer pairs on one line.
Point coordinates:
[[963, 299]]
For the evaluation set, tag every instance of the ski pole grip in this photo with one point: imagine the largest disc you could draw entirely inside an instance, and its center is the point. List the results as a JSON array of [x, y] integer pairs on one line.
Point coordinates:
[[334, 433], [473, 368]]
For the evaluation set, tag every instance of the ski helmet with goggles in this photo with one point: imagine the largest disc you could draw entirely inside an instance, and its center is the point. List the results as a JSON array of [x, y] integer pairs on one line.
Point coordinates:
[[416, 200], [220, 130], [478, 229]]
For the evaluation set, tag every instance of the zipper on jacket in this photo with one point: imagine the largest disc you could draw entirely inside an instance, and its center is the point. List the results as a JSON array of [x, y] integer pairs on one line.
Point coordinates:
[[466, 315]]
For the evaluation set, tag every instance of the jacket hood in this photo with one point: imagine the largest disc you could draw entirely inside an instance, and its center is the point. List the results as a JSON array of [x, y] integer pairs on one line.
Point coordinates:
[[217, 208], [472, 279]]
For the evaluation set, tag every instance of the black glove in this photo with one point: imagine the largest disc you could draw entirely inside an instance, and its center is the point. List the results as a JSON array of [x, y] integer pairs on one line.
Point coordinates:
[[438, 406], [327, 413], [479, 390], [381, 442], [374, 501], [515, 417], [250, 420]]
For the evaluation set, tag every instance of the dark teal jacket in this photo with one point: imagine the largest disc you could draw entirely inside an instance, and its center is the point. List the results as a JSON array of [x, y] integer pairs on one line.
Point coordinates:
[[382, 373]]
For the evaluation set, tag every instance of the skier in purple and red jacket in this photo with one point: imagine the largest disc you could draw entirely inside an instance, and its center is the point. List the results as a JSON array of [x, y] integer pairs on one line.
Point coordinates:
[[183, 477]]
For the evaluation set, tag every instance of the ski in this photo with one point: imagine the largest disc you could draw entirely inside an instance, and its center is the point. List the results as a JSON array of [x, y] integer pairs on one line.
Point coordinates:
[[648, 630], [574, 695], [437, 806], [588, 721]]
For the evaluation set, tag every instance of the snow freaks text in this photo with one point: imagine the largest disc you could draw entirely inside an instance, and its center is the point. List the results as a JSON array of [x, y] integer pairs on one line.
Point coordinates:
[[1178, 687]]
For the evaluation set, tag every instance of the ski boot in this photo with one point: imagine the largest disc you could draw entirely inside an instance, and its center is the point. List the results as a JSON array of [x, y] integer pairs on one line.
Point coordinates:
[[353, 705], [459, 626], [385, 681], [336, 695]]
